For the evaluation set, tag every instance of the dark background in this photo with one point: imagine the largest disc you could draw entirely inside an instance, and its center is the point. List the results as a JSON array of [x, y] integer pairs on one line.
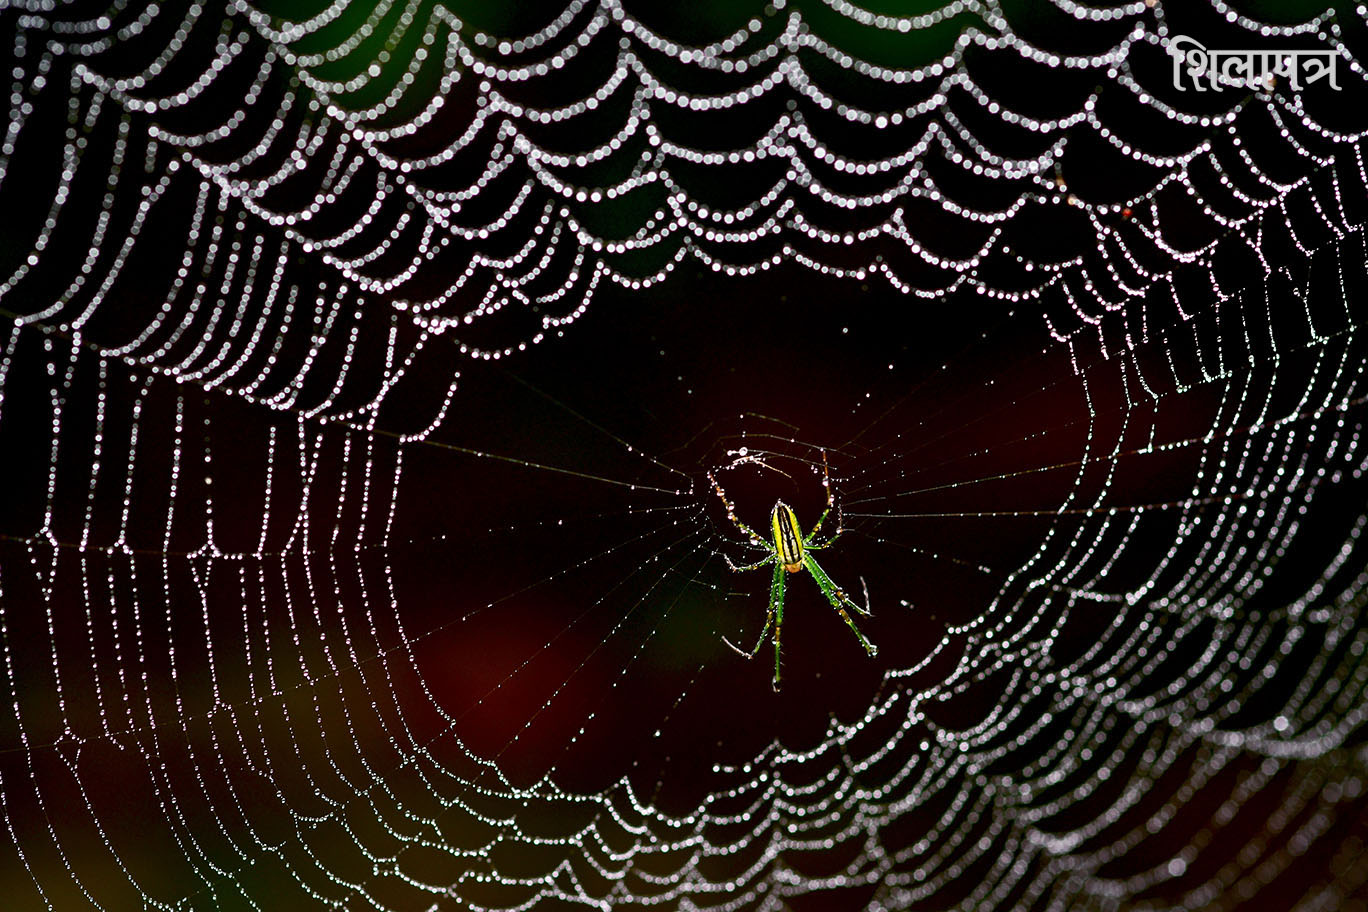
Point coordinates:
[[402, 635]]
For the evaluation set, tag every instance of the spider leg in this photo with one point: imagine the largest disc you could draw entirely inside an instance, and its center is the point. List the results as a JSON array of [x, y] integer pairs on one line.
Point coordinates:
[[775, 617], [777, 609], [764, 634], [840, 601], [810, 541], [760, 462], [741, 568], [731, 513]]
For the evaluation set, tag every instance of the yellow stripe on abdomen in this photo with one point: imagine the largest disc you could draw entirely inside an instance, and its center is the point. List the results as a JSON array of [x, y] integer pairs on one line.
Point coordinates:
[[788, 540]]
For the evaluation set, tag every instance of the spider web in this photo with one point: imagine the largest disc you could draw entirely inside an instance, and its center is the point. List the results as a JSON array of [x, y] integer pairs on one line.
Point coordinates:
[[307, 602]]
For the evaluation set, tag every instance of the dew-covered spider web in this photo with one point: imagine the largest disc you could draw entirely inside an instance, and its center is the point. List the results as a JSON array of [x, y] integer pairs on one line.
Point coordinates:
[[366, 370]]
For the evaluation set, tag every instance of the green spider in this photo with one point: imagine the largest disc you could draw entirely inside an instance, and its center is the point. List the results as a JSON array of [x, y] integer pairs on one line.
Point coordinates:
[[791, 551]]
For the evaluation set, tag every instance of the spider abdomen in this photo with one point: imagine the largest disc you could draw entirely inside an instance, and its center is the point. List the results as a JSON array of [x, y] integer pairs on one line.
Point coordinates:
[[788, 540]]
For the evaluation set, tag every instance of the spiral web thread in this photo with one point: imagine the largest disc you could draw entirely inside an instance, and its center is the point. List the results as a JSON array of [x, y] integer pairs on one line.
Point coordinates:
[[275, 306]]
